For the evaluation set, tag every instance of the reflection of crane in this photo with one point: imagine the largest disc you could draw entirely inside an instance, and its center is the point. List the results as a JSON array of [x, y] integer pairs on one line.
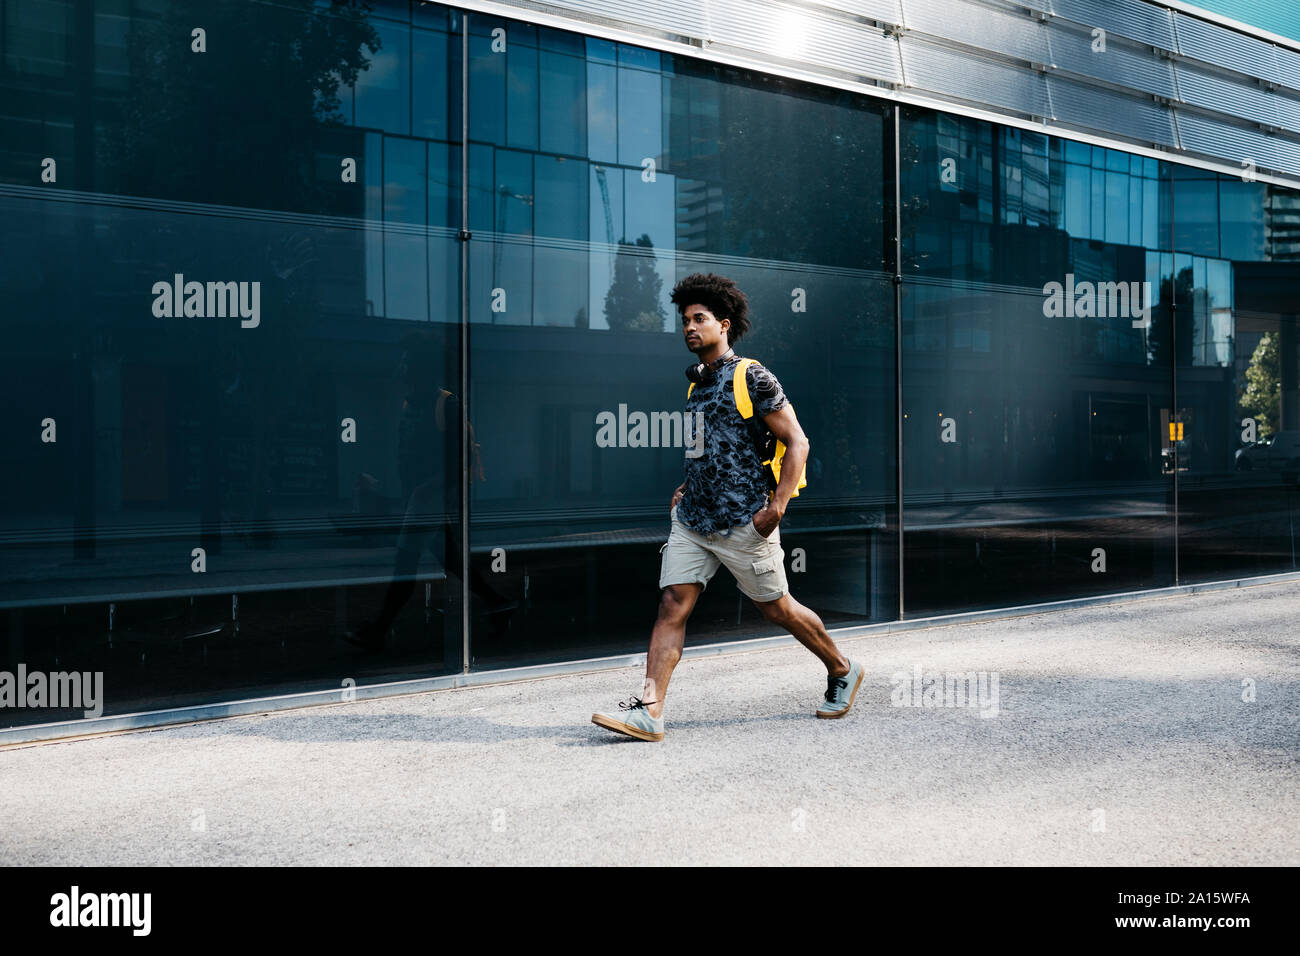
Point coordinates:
[[503, 193], [604, 198], [609, 220]]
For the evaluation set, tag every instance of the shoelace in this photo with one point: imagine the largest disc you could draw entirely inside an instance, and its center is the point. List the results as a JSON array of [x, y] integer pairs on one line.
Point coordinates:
[[624, 705], [831, 690]]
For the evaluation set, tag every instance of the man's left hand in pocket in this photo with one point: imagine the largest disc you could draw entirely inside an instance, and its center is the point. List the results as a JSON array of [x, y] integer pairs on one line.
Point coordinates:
[[766, 520]]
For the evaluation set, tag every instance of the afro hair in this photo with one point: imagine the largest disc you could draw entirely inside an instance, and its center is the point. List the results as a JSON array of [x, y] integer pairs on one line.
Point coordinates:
[[720, 296]]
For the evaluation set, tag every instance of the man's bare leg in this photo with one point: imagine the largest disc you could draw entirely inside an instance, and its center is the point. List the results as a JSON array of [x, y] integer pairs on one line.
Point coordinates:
[[807, 629], [666, 642]]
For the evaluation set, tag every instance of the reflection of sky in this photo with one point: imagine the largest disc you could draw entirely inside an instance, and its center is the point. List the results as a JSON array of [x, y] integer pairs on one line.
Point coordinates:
[[602, 113], [650, 208], [404, 186], [640, 113], [383, 89]]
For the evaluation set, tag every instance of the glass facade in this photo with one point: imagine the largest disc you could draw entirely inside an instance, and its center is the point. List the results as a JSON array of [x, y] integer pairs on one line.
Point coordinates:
[[1034, 381], [239, 310]]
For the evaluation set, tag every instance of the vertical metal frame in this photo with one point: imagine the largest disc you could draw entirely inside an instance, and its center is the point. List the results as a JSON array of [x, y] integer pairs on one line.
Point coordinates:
[[465, 457], [1173, 334], [898, 347]]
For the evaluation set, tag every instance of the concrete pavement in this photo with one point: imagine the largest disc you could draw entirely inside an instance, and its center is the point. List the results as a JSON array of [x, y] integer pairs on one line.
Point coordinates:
[[1118, 736]]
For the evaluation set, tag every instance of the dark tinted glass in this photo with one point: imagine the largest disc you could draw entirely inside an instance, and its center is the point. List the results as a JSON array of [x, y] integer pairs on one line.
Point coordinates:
[[1036, 368], [1236, 290], [649, 168], [231, 303], [228, 311]]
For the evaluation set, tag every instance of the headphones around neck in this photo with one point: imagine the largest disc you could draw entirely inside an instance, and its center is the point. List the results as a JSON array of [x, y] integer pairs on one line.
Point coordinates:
[[701, 373]]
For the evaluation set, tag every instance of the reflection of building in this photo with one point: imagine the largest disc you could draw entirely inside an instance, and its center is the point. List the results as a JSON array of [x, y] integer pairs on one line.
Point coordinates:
[[1023, 158], [1282, 223]]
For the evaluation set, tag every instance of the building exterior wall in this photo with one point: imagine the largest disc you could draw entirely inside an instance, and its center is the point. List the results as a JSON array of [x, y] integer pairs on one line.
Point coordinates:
[[390, 209], [1159, 78]]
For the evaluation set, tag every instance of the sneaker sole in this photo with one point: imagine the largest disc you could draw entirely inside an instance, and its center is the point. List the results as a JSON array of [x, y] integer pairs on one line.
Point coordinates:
[[622, 728], [852, 696]]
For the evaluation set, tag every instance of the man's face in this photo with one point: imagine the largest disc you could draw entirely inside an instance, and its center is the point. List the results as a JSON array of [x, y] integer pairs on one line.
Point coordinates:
[[702, 330]]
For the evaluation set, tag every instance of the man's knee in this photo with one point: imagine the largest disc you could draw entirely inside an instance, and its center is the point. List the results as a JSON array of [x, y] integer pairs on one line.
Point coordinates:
[[780, 611], [676, 601]]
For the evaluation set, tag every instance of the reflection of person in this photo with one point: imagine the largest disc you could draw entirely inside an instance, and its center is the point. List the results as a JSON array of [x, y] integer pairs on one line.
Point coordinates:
[[427, 463], [725, 512]]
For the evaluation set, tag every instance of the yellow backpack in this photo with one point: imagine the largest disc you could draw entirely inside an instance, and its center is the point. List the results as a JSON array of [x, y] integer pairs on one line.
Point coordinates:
[[762, 435]]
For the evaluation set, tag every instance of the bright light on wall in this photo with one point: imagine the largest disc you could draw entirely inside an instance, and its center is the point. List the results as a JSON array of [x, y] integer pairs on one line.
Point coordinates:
[[791, 32]]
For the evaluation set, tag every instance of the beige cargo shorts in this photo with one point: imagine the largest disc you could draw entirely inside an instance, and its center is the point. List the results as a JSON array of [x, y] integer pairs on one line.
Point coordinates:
[[757, 563]]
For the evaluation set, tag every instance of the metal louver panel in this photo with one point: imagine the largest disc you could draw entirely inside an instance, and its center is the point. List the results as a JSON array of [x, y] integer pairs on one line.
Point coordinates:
[[1209, 91], [1288, 67], [802, 35], [1224, 47], [982, 27], [1214, 94], [1237, 143], [1097, 109], [1134, 19], [939, 69], [1124, 62], [885, 11], [688, 17]]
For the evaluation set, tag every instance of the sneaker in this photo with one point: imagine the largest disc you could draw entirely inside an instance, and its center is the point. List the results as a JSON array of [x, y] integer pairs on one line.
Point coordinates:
[[635, 720], [840, 692]]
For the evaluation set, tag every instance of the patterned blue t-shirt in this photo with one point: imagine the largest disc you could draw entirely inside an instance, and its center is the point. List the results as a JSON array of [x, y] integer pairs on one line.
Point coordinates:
[[726, 485]]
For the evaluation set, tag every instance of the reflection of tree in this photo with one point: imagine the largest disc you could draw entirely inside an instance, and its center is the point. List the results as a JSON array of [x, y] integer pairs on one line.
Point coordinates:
[[1261, 398], [632, 302], [242, 123], [1178, 295]]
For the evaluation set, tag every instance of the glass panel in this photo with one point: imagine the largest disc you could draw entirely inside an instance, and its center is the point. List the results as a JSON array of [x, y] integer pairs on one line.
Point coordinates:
[[430, 54], [1032, 465], [1245, 234], [406, 292], [652, 168], [602, 112], [487, 81], [226, 443], [383, 90], [1238, 377], [1196, 214], [521, 98], [563, 104], [206, 492]]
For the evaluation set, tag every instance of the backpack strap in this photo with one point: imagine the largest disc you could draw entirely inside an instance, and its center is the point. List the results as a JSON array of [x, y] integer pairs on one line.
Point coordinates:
[[745, 405], [740, 388]]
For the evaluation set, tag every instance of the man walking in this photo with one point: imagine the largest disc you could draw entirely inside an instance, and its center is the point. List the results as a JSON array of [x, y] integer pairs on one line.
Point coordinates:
[[726, 511]]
